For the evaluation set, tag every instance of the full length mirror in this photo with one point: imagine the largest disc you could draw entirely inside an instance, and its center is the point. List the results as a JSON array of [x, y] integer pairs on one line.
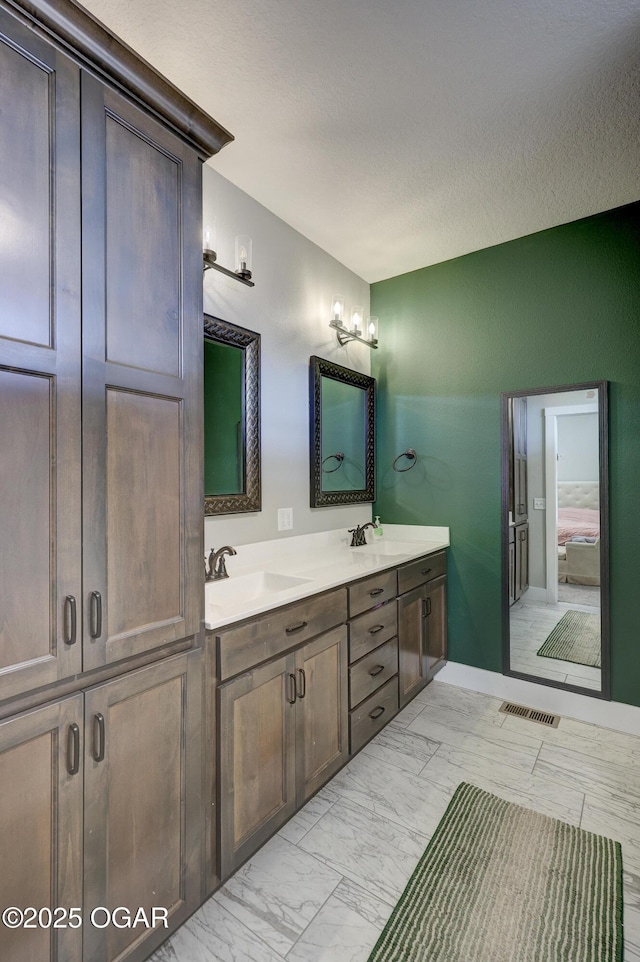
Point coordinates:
[[342, 432], [231, 418], [555, 531]]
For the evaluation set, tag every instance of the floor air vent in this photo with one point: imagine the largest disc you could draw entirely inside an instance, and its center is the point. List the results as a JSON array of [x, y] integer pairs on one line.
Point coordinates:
[[532, 714]]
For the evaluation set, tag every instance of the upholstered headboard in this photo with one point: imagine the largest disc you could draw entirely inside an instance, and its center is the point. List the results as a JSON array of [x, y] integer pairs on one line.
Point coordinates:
[[578, 494]]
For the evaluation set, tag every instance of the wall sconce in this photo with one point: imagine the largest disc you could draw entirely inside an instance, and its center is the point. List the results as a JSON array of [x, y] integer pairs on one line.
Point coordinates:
[[244, 247], [356, 330]]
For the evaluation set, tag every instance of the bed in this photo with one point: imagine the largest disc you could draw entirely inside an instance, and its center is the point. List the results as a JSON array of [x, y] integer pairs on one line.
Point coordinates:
[[579, 532]]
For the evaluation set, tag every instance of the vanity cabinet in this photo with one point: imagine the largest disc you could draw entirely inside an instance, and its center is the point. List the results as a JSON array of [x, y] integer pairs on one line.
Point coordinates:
[[283, 725], [422, 623], [100, 806]]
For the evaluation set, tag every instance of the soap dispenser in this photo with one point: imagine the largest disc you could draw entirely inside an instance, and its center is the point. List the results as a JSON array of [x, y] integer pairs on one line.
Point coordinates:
[[377, 530]]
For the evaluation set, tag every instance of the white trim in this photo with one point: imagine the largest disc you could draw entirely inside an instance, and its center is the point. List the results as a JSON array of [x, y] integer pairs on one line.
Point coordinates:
[[537, 596], [551, 415], [608, 714]]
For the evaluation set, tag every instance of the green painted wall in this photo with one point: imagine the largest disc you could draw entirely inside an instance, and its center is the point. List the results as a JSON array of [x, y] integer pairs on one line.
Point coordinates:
[[557, 307]]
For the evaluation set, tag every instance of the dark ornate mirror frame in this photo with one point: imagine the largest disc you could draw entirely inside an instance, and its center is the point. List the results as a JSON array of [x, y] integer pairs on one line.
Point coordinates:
[[319, 368], [249, 342], [603, 433]]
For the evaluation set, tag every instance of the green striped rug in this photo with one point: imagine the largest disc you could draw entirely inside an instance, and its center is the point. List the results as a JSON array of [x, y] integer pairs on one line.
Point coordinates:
[[575, 638], [500, 883]]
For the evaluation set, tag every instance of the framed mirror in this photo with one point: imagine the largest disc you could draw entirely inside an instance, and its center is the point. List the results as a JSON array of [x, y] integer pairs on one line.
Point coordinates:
[[555, 537], [231, 418], [342, 407]]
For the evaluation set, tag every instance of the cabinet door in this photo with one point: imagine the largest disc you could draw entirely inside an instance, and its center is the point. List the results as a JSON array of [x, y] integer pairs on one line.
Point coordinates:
[[143, 805], [41, 818], [142, 380], [257, 758], [522, 558], [322, 742], [412, 660], [436, 624], [512, 568], [39, 362]]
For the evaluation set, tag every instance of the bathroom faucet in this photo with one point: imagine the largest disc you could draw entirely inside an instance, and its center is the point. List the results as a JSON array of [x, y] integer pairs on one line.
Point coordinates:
[[359, 537], [217, 565]]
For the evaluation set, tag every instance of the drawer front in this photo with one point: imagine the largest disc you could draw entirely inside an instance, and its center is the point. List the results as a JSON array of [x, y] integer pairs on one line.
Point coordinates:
[[372, 671], [279, 630], [373, 714], [371, 592], [418, 572], [372, 629]]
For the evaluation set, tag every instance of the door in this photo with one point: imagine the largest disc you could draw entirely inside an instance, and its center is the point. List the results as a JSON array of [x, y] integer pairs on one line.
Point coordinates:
[[142, 804], [412, 661], [257, 758], [41, 841], [322, 743], [436, 624], [40, 595], [142, 381]]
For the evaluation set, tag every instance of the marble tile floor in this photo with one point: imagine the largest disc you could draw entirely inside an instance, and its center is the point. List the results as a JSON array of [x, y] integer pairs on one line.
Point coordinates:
[[530, 625], [322, 889]]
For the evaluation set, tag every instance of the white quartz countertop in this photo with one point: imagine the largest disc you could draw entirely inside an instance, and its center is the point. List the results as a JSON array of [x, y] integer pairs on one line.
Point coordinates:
[[268, 574]]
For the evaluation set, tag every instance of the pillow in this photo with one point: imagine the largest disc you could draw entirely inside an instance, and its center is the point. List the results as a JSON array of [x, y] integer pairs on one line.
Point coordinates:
[[583, 539]]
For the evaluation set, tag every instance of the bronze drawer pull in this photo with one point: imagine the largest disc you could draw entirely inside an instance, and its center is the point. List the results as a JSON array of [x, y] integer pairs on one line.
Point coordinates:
[[294, 628], [376, 591], [303, 679], [380, 710], [426, 607], [73, 749], [96, 614], [98, 737], [70, 624], [293, 694], [375, 629], [426, 571], [376, 671]]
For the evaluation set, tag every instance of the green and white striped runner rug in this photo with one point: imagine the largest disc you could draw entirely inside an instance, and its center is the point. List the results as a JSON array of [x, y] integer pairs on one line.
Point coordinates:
[[500, 883], [575, 638]]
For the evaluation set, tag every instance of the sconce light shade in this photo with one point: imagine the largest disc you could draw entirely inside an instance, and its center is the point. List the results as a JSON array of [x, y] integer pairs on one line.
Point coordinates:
[[244, 256], [372, 328], [357, 316], [337, 308], [209, 239]]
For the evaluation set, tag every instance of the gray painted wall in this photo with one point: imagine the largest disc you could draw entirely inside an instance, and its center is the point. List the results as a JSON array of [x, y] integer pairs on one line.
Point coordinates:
[[290, 308]]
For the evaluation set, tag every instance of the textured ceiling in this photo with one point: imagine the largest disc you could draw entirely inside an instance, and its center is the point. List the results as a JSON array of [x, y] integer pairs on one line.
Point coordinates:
[[400, 133]]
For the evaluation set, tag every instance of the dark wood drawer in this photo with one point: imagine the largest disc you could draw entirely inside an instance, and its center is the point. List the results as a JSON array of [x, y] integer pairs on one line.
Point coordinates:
[[418, 572], [372, 671], [371, 592], [271, 634], [373, 714], [372, 629]]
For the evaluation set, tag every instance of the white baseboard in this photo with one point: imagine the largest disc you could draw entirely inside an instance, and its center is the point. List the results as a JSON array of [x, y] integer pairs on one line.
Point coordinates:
[[595, 711], [537, 596]]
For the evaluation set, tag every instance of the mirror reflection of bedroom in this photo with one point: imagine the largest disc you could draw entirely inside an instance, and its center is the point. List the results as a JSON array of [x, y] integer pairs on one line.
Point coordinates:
[[554, 537]]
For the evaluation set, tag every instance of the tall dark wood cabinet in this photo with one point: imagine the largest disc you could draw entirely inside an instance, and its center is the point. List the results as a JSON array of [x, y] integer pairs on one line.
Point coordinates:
[[101, 482]]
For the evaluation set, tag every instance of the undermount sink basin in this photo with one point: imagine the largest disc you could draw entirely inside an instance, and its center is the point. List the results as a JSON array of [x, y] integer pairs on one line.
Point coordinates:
[[251, 587]]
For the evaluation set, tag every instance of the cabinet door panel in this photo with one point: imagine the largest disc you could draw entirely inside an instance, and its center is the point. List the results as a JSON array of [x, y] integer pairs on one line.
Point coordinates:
[[142, 800], [412, 668], [39, 360], [257, 759], [322, 743], [142, 379], [436, 625], [41, 818]]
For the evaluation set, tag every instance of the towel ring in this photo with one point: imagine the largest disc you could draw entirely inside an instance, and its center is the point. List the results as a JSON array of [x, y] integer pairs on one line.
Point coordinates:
[[411, 455], [339, 458]]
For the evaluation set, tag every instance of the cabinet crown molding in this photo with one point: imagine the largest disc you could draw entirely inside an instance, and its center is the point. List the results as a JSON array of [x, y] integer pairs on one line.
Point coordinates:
[[94, 46]]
